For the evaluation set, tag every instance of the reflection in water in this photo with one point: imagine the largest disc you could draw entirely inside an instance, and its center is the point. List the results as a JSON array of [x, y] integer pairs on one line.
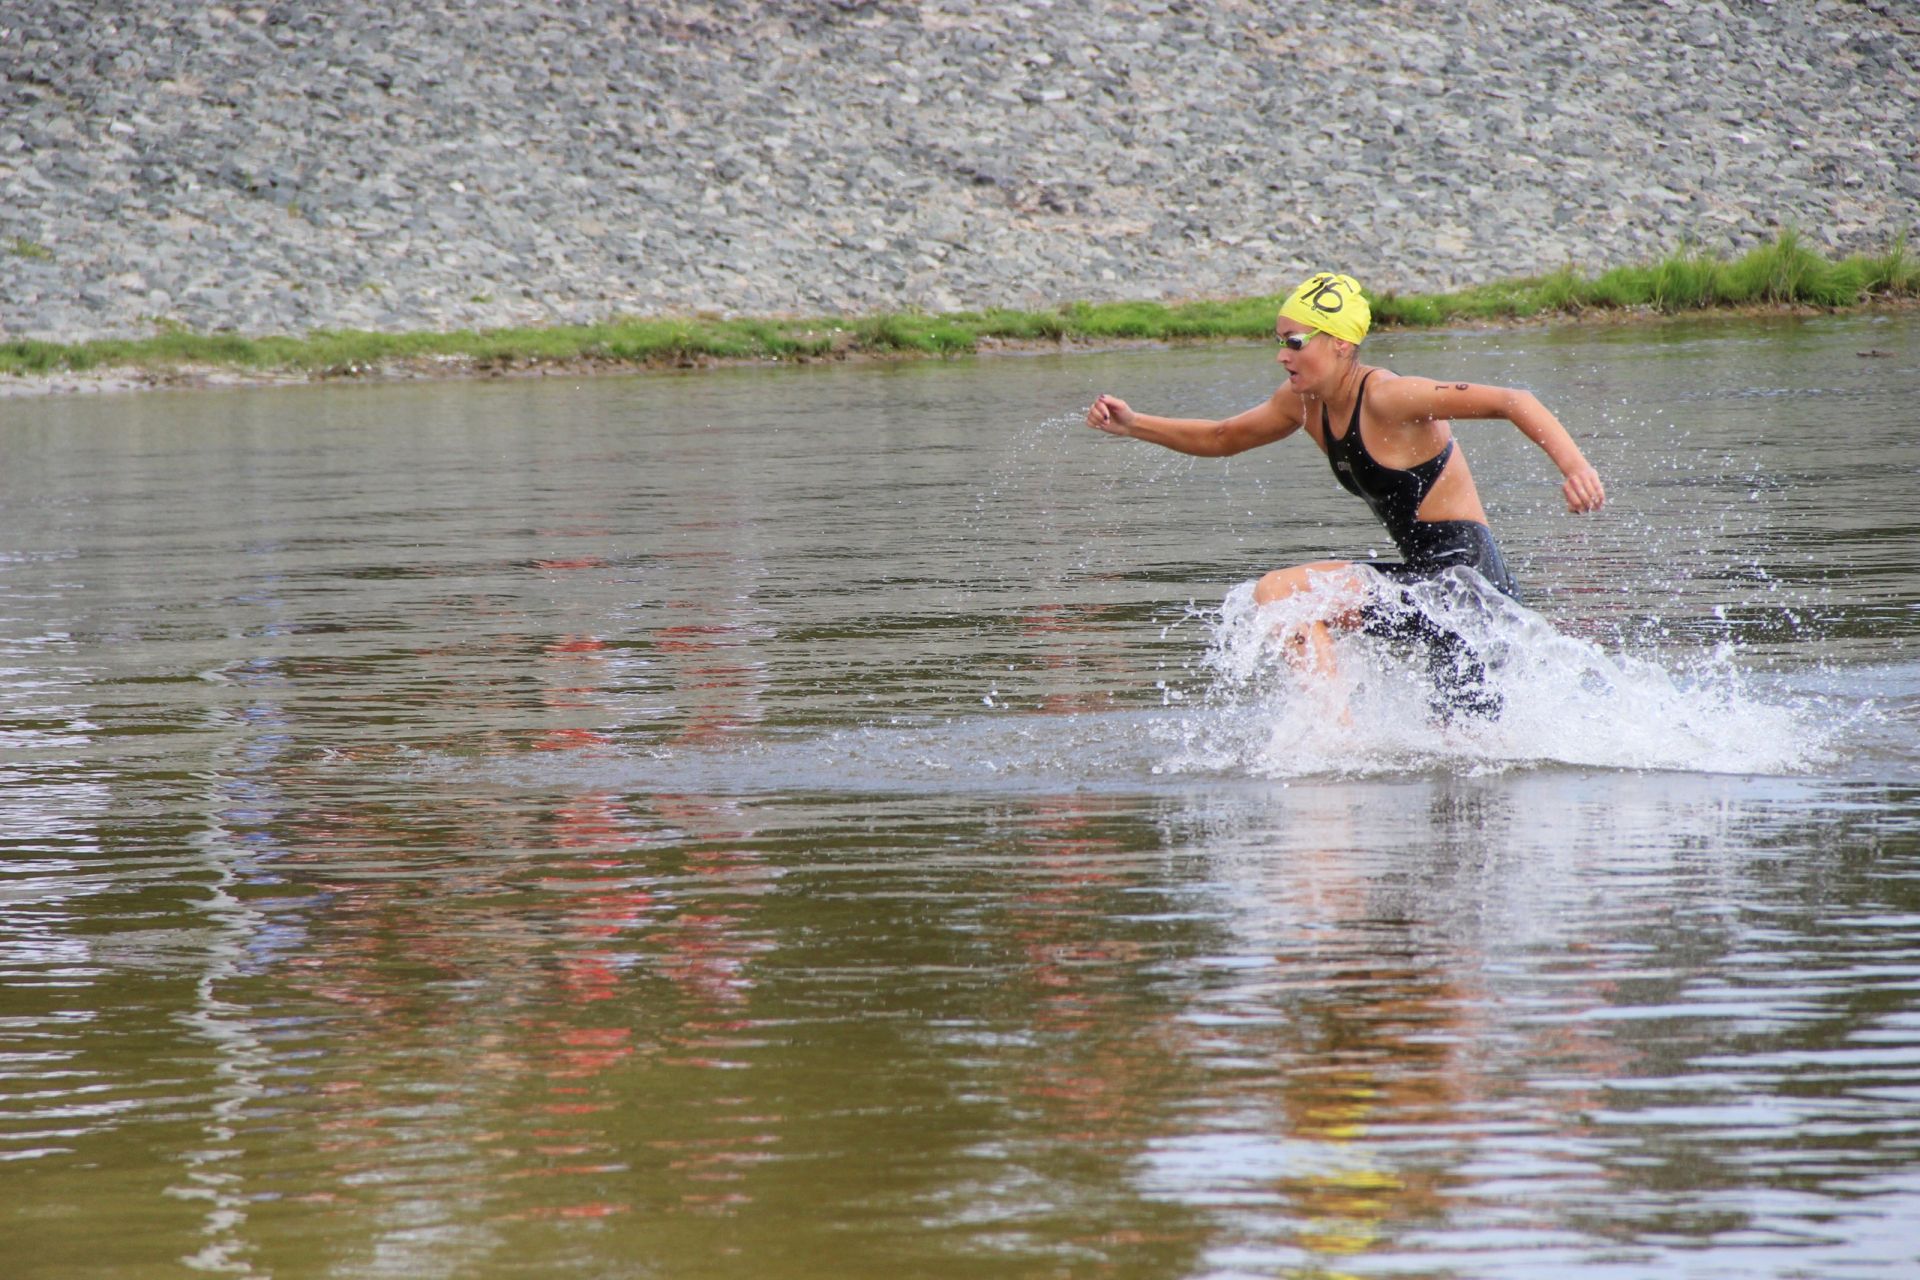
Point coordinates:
[[818, 824], [51, 1094], [1369, 1021], [1478, 1036], [246, 813]]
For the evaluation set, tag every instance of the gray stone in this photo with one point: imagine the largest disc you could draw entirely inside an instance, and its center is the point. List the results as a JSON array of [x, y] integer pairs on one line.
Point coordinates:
[[786, 158]]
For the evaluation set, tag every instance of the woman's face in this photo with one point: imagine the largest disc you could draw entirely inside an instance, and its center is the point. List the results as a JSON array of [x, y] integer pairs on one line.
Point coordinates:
[[1307, 355]]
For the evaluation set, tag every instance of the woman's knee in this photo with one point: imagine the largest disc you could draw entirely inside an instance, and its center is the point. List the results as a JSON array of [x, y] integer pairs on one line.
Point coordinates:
[[1281, 583], [1276, 585]]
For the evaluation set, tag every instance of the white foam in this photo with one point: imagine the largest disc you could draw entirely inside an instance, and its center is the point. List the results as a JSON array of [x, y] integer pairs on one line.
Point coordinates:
[[1563, 700]]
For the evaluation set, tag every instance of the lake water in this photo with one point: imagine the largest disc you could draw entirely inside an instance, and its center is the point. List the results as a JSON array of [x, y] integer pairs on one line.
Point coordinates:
[[844, 822]]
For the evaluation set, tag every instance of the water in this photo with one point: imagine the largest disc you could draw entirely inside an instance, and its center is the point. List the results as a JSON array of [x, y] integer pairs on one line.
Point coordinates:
[[849, 822]]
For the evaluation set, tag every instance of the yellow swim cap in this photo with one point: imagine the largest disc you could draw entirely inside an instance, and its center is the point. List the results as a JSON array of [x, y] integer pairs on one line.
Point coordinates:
[[1332, 304]]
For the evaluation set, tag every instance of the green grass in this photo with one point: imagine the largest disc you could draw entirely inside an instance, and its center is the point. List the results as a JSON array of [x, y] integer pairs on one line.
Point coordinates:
[[1782, 273]]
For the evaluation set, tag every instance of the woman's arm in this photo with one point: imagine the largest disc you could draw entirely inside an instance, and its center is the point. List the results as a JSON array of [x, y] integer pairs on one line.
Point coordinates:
[[1421, 399], [1204, 438]]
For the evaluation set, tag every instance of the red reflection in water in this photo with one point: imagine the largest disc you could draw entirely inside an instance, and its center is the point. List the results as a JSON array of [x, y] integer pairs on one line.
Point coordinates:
[[1065, 632], [1106, 1066]]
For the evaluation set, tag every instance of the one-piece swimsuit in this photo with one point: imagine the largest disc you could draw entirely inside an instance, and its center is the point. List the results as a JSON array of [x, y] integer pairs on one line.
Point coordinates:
[[1429, 546]]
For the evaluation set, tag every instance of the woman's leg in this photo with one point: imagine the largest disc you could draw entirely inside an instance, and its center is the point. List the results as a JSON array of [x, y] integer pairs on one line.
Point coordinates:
[[1342, 589]]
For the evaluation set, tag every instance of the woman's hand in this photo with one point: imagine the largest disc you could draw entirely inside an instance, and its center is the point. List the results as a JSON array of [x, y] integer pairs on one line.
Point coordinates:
[[1111, 415], [1583, 489]]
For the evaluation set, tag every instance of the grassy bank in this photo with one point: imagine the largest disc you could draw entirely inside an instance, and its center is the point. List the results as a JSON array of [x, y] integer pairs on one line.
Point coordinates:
[[1784, 273]]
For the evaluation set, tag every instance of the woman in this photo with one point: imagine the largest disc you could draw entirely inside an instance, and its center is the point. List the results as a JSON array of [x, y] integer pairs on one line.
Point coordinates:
[[1389, 441]]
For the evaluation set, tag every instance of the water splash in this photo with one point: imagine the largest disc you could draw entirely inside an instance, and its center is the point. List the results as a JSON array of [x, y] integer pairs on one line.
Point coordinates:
[[1525, 696], [1560, 699]]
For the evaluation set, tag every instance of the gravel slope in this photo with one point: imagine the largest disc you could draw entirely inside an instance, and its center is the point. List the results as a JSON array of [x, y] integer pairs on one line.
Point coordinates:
[[272, 168]]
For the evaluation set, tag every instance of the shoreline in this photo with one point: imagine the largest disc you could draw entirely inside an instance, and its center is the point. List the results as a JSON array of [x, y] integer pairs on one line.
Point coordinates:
[[211, 377], [131, 379], [1781, 278]]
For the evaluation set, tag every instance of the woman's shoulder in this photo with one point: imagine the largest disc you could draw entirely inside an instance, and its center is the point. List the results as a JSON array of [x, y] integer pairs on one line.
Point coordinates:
[[1388, 387], [1405, 399]]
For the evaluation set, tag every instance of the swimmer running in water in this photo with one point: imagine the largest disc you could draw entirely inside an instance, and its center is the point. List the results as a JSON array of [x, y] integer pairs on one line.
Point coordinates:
[[1389, 440]]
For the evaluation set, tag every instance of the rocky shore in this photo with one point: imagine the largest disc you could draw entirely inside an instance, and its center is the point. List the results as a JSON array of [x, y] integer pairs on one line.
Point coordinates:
[[279, 167]]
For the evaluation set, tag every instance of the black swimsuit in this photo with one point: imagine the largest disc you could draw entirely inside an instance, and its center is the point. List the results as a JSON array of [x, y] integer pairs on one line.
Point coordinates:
[[1395, 494], [1431, 547]]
